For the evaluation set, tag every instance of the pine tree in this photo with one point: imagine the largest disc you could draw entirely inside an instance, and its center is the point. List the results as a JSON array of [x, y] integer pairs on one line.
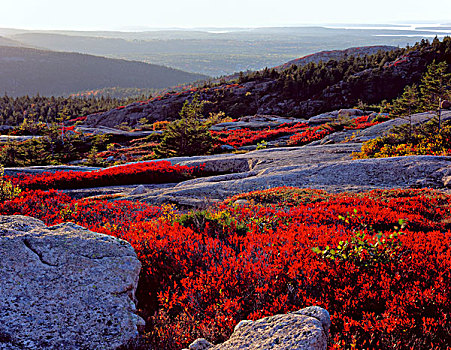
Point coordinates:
[[435, 85], [188, 136], [407, 104]]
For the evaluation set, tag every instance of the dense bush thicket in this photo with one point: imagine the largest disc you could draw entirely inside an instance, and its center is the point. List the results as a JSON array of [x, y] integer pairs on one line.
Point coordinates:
[[429, 138], [385, 282]]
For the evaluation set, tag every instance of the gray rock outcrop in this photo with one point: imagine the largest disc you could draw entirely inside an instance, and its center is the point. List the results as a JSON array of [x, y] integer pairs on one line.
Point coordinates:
[[255, 122], [325, 164], [39, 169], [64, 287], [385, 127], [377, 130], [12, 138], [306, 329], [326, 167]]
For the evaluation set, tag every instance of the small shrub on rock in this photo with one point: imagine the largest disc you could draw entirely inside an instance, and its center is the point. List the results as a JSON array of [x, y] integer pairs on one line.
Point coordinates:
[[188, 136]]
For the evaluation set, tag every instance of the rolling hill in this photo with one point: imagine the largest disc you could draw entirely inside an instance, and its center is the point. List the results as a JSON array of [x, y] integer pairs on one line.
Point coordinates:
[[9, 42], [299, 91], [216, 51], [336, 55], [29, 71]]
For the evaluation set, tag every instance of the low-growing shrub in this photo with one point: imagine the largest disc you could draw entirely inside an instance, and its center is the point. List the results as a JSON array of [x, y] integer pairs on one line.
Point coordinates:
[[310, 134], [201, 274], [129, 174], [7, 189], [406, 141]]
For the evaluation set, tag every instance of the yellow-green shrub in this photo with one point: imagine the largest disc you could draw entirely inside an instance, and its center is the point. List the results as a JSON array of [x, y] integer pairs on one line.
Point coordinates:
[[422, 142], [7, 189]]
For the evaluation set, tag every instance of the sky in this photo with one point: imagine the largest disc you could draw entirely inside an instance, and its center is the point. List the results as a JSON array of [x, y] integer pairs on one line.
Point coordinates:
[[141, 14]]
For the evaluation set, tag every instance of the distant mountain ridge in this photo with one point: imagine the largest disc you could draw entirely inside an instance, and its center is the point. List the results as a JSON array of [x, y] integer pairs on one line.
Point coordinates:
[[323, 56], [26, 71], [9, 42], [297, 91], [336, 55], [214, 52]]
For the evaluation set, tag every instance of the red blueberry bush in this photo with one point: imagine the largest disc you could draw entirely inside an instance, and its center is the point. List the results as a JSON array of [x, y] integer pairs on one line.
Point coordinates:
[[129, 174], [319, 132], [310, 134], [361, 123], [385, 283], [244, 137]]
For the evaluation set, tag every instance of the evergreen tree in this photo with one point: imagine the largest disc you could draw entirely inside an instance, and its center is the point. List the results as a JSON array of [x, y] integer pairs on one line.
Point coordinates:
[[407, 104], [435, 85], [188, 136]]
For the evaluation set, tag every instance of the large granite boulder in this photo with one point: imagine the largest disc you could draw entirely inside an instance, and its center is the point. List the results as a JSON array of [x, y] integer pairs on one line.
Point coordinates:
[[64, 287], [306, 329]]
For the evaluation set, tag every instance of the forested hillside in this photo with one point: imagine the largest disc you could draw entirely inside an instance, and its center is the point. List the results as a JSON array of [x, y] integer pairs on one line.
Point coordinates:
[[13, 110], [28, 71], [336, 55], [299, 91], [217, 51]]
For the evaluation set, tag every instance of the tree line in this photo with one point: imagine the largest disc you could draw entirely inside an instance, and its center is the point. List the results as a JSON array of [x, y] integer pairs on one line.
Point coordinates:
[[14, 110]]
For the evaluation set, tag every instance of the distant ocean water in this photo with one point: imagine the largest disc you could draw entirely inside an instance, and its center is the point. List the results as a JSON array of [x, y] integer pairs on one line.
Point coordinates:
[[423, 30]]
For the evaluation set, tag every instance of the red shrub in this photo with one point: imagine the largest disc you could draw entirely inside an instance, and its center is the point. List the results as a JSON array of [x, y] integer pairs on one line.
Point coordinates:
[[129, 174], [310, 134], [201, 276], [243, 137]]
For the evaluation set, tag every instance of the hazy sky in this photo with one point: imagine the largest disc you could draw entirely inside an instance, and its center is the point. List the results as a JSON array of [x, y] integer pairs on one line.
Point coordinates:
[[122, 14]]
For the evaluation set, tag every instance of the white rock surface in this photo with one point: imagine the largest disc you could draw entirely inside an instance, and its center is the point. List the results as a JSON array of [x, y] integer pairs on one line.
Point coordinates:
[[138, 190], [326, 167], [306, 329], [64, 287], [200, 344]]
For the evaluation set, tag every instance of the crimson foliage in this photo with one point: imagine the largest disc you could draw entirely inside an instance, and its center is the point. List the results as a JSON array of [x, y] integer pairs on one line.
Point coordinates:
[[201, 276], [129, 174]]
